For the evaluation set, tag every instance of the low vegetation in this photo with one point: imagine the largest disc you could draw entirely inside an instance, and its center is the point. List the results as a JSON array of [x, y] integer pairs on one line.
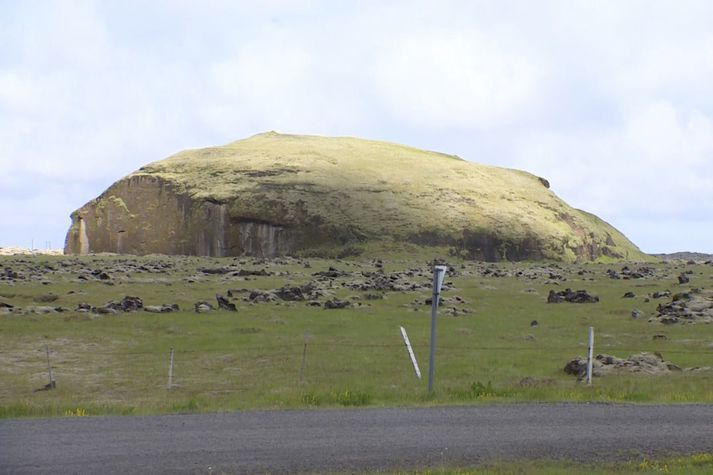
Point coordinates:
[[499, 341], [689, 465]]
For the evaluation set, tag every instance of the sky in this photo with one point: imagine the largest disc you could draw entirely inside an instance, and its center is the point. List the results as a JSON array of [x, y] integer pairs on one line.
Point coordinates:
[[611, 101]]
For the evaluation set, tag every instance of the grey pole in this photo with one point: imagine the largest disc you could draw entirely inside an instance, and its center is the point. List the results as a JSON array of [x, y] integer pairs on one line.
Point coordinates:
[[590, 354], [304, 358], [49, 368], [438, 273]]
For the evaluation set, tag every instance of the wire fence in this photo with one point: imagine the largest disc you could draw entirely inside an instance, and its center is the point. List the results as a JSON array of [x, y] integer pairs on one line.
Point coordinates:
[[229, 368]]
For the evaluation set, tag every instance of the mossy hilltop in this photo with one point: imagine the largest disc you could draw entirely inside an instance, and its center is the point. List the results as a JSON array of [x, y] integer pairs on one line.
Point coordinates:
[[274, 194]]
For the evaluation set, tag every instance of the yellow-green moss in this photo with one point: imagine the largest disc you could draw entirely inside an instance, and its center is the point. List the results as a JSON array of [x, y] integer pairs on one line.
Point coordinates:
[[356, 190]]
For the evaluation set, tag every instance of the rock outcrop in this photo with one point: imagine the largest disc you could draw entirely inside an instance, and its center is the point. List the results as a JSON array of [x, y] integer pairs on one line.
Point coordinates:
[[602, 365], [275, 194], [695, 306]]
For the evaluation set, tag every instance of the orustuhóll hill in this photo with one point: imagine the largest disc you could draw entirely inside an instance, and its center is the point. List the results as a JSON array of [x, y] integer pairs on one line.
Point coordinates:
[[274, 194]]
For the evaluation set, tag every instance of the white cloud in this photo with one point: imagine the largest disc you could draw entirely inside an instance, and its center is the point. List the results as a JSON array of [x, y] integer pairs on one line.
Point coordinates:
[[462, 79], [609, 100], [657, 166]]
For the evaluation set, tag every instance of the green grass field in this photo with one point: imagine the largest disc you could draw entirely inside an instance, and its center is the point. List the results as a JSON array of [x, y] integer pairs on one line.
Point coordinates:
[[225, 361], [697, 464]]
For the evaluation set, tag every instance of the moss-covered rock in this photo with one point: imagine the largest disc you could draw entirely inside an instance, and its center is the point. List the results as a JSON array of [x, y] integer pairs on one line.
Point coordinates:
[[274, 194]]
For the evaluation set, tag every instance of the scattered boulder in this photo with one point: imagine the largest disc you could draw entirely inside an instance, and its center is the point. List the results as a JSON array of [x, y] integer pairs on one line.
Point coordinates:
[[131, 304], [100, 274], [105, 310], [202, 307], [127, 304], [602, 365], [225, 304], [166, 308], [567, 295], [335, 304], [534, 323], [261, 296], [291, 294], [626, 273], [331, 273], [661, 294], [215, 270], [629, 295], [43, 310], [683, 279], [686, 307], [636, 313]]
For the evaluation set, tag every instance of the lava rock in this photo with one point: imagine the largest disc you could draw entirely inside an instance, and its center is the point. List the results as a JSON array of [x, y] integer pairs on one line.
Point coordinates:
[[225, 304], [567, 295], [335, 304]]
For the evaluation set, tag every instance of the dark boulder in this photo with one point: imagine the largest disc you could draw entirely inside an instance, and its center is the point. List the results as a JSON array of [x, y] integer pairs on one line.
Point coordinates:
[[166, 308], [567, 295], [225, 304], [336, 304], [292, 294]]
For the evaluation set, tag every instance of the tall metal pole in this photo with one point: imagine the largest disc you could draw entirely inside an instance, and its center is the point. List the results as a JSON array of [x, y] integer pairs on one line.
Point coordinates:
[[438, 274], [590, 355]]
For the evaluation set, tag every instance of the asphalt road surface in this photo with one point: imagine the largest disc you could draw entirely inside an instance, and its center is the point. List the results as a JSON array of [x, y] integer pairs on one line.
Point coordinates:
[[351, 440]]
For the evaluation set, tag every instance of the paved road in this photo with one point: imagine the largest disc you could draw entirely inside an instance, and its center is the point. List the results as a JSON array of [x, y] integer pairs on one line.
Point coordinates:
[[294, 441]]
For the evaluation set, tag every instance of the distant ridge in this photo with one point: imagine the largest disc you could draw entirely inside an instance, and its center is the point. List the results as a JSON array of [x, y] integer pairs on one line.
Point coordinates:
[[685, 256]]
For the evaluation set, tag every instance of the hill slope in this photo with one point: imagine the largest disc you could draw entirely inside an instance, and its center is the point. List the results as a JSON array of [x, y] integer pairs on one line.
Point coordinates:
[[274, 194]]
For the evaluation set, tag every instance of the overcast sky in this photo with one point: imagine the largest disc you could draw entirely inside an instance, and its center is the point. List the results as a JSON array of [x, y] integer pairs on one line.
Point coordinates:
[[611, 101]]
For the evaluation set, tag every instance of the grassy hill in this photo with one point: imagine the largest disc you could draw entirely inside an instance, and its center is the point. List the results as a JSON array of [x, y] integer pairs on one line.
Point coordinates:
[[320, 194]]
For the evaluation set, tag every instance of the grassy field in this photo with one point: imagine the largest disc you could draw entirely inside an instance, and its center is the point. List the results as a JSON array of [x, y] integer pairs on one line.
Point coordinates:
[[252, 358], [690, 465]]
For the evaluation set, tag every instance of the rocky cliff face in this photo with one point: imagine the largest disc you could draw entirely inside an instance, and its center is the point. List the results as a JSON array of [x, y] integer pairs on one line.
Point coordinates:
[[275, 194], [144, 214]]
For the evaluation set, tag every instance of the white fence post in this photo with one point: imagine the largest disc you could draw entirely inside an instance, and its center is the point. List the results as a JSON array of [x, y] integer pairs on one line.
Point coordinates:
[[170, 370], [410, 352]]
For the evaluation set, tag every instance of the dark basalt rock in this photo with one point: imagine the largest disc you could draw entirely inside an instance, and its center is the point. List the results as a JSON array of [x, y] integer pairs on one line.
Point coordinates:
[[602, 365], [335, 304], [567, 295], [686, 307], [225, 304]]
